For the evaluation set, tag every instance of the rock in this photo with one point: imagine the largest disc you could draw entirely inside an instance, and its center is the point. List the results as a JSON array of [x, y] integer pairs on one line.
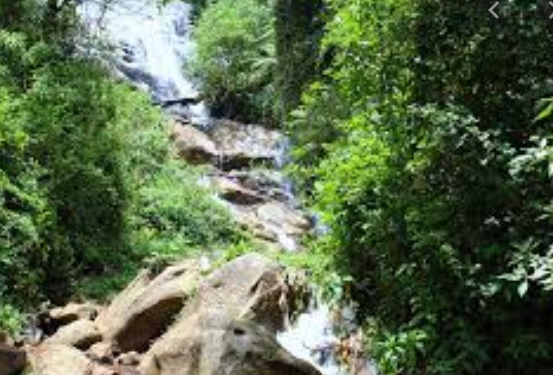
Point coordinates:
[[81, 334], [229, 328], [103, 352], [278, 214], [269, 184], [12, 360], [193, 145], [231, 191], [54, 359], [243, 145], [73, 312], [212, 342], [273, 221], [147, 306], [251, 286]]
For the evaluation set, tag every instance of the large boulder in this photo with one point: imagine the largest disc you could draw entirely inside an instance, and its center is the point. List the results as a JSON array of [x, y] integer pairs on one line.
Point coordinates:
[[242, 145], [81, 334], [212, 342], [55, 359], [230, 326], [251, 286], [147, 306], [193, 145], [12, 360]]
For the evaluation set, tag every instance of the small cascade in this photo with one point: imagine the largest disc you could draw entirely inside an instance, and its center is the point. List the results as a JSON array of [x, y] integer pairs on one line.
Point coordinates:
[[329, 339]]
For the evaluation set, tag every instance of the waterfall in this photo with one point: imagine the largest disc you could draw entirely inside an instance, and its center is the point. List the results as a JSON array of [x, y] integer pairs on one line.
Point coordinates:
[[149, 45]]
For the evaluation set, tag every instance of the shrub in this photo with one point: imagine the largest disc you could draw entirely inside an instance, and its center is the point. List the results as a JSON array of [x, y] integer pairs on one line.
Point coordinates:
[[436, 186], [235, 59]]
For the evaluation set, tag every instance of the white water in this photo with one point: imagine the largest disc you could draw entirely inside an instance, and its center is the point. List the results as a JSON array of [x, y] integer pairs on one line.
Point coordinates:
[[312, 339], [151, 45]]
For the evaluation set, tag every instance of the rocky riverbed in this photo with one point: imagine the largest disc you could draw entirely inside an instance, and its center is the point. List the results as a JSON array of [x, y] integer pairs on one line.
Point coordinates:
[[191, 318]]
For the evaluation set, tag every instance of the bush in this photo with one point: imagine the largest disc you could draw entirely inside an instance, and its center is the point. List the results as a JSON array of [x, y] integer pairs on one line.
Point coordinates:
[[436, 183], [236, 58], [86, 171]]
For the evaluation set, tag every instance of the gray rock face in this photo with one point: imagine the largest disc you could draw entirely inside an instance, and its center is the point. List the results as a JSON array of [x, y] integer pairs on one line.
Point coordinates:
[[251, 286], [226, 326]]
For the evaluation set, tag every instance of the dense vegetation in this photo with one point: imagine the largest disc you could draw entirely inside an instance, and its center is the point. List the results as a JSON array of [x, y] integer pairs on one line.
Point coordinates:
[[423, 140], [421, 131], [435, 177], [88, 184], [235, 60]]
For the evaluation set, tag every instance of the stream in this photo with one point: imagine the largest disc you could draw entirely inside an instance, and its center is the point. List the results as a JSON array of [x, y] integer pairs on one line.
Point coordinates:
[[149, 46]]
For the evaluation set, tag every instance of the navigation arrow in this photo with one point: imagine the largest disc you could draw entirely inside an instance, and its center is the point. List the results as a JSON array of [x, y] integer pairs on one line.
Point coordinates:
[[551, 3], [492, 8]]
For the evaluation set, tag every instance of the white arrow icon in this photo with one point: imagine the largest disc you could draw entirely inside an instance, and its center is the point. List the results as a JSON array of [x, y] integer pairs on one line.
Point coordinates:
[[493, 7], [551, 3]]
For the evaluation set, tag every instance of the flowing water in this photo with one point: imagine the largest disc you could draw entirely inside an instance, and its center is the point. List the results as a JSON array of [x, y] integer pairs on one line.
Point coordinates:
[[149, 46]]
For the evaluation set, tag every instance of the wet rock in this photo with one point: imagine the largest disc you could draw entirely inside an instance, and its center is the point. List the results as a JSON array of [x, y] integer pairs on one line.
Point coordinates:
[[54, 359], [274, 221], [291, 221], [81, 334], [115, 370], [193, 145], [243, 145], [73, 312], [269, 184], [147, 306], [212, 342], [231, 191], [12, 360]]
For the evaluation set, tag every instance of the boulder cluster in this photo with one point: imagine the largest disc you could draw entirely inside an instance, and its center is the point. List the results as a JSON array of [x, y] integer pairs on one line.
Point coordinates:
[[184, 320]]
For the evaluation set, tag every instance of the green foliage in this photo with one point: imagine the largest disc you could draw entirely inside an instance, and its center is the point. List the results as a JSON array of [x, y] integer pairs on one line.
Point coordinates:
[[298, 26], [235, 59], [89, 187], [173, 214], [434, 174], [11, 320]]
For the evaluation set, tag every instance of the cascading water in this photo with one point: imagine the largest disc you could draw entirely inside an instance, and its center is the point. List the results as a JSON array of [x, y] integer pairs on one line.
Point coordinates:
[[149, 46]]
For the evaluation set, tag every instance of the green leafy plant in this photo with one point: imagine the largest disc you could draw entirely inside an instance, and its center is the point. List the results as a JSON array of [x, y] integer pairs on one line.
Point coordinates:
[[235, 59]]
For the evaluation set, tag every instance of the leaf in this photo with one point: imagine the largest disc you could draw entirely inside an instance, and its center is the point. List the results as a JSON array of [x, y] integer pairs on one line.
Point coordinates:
[[523, 288], [547, 111]]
